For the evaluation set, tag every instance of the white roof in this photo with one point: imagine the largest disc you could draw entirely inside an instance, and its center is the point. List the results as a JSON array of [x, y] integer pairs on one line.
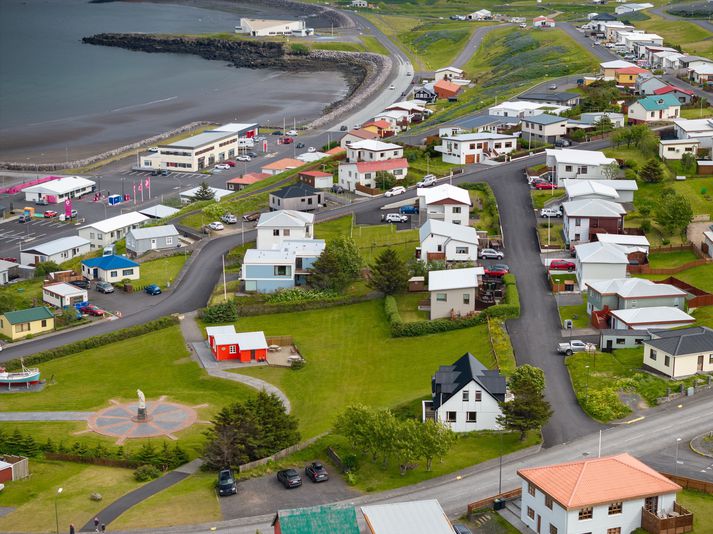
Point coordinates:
[[459, 232], [442, 192], [617, 64], [217, 192], [120, 221], [679, 142], [410, 105], [454, 278], [215, 330], [235, 127], [5, 265], [477, 136], [245, 340], [309, 157], [58, 245], [374, 145], [284, 218], [65, 290], [61, 186], [578, 188], [597, 252], [634, 288], [695, 126], [415, 517], [520, 105], [656, 314], [709, 235], [706, 68], [617, 185], [456, 69], [392, 113], [623, 239], [159, 211], [580, 157], [285, 252], [638, 36], [4, 465], [151, 232], [593, 207]]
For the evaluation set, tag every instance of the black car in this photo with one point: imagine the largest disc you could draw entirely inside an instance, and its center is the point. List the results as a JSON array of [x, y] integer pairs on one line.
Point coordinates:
[[83, 283], [252, 154], [300, 145], [343, 128], [289, 478], [277, 132], [226, 483], [316, 472]]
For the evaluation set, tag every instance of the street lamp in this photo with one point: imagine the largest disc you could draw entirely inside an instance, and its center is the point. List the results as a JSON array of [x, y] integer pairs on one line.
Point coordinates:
[[586, 387], [56, 514], [678, 440]]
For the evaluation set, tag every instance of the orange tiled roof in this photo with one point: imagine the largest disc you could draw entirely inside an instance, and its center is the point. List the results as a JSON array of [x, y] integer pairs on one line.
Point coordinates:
[[336, 150], [631, 70], [598, 481], [381, 124], [285, 163], [249, 178]]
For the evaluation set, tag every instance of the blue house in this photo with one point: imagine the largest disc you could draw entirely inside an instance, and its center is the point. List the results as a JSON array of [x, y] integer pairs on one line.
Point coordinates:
[[112, 268], [285, 266]]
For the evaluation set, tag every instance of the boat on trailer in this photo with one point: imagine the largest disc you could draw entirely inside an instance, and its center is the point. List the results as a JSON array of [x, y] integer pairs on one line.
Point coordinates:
[[26, 376]]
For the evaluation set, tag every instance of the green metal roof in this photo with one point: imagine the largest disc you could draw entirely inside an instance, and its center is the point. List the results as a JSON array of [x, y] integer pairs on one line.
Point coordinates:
[[30, 314], [657, 102], [325, 519]]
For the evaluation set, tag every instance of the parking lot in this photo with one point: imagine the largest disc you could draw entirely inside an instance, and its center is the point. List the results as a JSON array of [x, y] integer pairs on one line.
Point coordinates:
[[124, 303]]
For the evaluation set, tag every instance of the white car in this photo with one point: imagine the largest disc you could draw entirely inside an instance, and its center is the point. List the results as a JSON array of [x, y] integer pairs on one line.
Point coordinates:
[[398, 190], [396, 218], [311, 149], [215, 225], [291, 132], [576, 345], [428, 181], [243, 158], [229, 218], [392, 87], [550, 212], [222, 167], [491, 254], [153, 149]]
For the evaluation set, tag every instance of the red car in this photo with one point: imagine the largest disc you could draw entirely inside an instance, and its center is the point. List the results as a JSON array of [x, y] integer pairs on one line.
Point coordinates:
[[91, 309], [544, 185], [287, 140], [50, 213], [562, 265], [498, 270], [230, 163]]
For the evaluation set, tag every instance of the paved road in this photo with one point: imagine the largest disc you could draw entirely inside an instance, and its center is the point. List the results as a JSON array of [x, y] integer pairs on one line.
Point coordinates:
[[45, 416], [473, 44]]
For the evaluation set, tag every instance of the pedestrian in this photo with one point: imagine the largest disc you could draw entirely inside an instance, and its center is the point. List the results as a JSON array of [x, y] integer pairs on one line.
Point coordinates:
[[103, 527], [96, 524], [71, 528]]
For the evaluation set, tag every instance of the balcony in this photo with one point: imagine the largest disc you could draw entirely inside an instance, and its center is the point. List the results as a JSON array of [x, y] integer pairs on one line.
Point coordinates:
[[678, 521]]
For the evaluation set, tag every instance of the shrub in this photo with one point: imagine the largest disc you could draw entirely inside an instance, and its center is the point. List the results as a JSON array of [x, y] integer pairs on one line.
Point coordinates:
[[350, 463], [44, 268], [645, 226], [296, 294], [145, 473], [296, 365], [604, 404], [225, 312]]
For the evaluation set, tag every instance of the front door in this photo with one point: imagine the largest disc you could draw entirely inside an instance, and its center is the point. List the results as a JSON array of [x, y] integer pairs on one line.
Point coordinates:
[[609, 345], [153, 244], [469, 158], [539, 523], [700, 363]]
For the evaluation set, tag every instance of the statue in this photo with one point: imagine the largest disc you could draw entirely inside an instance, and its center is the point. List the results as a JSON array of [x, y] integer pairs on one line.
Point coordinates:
[[141, 414]]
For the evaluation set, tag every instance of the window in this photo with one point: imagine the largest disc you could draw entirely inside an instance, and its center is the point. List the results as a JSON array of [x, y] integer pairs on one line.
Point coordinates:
[[471, 417], [616, 530], [567, 168], [548, 501], [615, 508], [44, 323], [667, 361], [620, 341], [127, 272], [466, 298], [585, 513], [112, 274], [22, 327], [169, 241], [232, 349], [276, 232], [531, 489], [553, 529], [652, 355], [466, 395], [451, 417], [456, 209], [286, 232], [478, 396], [530, 513], [710, 358], [461, 250], [577, 221], [91, 235], [282, 270], [441, 297]]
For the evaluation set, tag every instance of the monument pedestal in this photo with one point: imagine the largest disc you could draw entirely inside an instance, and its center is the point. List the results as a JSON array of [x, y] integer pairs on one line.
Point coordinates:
[[141, 414]]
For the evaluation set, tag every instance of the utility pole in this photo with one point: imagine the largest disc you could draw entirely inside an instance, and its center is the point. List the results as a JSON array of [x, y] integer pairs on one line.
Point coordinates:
[[225, 288]]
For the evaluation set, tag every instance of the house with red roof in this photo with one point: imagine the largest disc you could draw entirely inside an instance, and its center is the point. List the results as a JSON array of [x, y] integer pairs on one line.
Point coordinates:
[[281, 165], [241, 182], [383, 127], [628, 75], [543, 22], [446, 89], [684, 95], [612, 495]]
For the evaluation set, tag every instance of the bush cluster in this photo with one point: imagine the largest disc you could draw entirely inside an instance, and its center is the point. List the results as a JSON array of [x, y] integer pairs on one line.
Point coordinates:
[[225, 312], [144, 473], [296, 294]]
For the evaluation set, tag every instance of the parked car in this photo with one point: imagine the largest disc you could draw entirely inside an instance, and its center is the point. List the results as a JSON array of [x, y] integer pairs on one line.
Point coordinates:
[[253, 154], [83, 283], [562, 143], [291, 132], [152, 289], [41, 202], [396, 218], [104, 287], [289, 478], [499, 270], [316, 472], [562, 265], [457, 527], [428, 181], [229, 218], [343, 128], [523, 25], [398, 190], [243, 157], [550, 212], [544, 185], [152, 149], [250, 217], [226, 483], [230, 163], [392, 87], [260, 138], [91, 309], [300, 145], [223, 166], [215, 225], [553, 86], [411, 210], [336, 188], [311, 149], [24, 218], [8, 258], [287, 140], [50, 213], [277, 132], [576, 345], [491, 254]]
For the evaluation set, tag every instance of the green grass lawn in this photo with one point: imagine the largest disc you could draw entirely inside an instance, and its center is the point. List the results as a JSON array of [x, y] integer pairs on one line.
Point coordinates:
[[665, 260], [696, 113], [437, 43], [700, 277], [485, 211], [704, 316], [701, 504], [352, 358], [161, 271], [689, 36], [556, 235], [20, 295], [408, 306], [578, 314], [539, 198]]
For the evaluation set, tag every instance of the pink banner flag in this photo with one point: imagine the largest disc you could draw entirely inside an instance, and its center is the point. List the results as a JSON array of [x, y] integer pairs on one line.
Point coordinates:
[[134, 192], [68, 208], [147, 185]]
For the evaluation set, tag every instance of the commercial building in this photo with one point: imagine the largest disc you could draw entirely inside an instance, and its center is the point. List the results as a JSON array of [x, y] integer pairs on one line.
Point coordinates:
[[107, 232], [271, 27], [59, 189], [57, 251]]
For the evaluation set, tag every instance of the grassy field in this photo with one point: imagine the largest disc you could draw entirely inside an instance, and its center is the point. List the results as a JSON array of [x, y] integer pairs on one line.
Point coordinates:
[[408, 306], [700, 277], [437, 43], [689, 36], [701, 504], [556, 235], [161, 271], [367, 44], [578, 314], [696, 113], [539, 198], [25, 294], [352, 358], [664, 260]]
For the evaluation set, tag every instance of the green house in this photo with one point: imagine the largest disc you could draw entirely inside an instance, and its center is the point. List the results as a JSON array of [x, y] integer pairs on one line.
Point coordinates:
[[325, 519]]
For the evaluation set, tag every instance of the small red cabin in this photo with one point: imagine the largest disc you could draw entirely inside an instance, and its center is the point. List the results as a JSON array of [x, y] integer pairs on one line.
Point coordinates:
[[227, 344]]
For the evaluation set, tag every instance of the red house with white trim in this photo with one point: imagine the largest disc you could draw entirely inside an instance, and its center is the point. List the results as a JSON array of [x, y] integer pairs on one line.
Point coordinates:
[[227, 344]]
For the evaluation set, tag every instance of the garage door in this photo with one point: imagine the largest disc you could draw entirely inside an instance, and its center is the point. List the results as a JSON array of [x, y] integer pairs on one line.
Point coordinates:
[[469, 158]]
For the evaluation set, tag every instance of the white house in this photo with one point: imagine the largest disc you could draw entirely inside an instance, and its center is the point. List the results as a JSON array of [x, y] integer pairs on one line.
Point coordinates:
[[142, 240], [481, 14], [655, 108], [628, 243], [57, 251], [59, 189], [653, 317], [598, 495], [543, 22], [373, 150], [676, 148], [680, 353], [111, 268], [583, 218], [107, 232], [275, 226], [360, 134], [446, 203], [189, 195], [700, 129], [591, 189], [61, 295], [701, 73], [447, 241], [466, 395], [524, 108], [594, 117], [453, 291], [632, 293], [359, 3], [568, 163], [365, 174], [544, 128], [466, 149], [630, 8], [599, 261], [449, 73]]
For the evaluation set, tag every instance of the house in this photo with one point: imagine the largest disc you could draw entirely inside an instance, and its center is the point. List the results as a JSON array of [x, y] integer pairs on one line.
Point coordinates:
[[227, 344], [617, 119], [524, 108], [159, 211], [481, 14], [383, 128], [359, 3], [373, 150], [189, 195], [465, 149], [22, 323], [599, 261], [680, 353], [629, 75], [415, 110], [426, 93], [107, 232], [621, 339], [654, 108], [609, 495], [685, 96], [7, 271], [446, 241], [701, 73], [354, 136], [635, 41], [414, 517], [241, 182], [701, 129], [111, 269], [632, 245], [365, 173], [569, 163], [281, 165], [59, 189], [544, 128], [466, 396], [630, 8], [299, 197], [62, 295], [398, 119], [142, 240], [268, 28], [609, 68], [13, 468], [552, 97], [589, 189], [276, 226], [336, 152], [648, 84], [284, 266], [322, 519], [453, 291], [448, 73], [445, 202], [543, 22], [676, 148], [586, 217], [317, 179], [631, 293], [653, 317], [446, 89], [57, 251], [708, 243], [311, 157]]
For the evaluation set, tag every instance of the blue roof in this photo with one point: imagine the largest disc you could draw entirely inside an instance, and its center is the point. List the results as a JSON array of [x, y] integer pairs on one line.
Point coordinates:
[[657, 102], [107, 263]]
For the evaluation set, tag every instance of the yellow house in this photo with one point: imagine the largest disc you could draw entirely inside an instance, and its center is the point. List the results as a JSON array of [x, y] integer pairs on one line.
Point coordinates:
[[629, 75], [21, 323]]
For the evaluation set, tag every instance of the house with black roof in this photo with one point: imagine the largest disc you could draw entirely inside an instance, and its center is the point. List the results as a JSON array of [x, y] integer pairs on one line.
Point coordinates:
[[299, 197], [466, 396], [680, 353], [556, 98]]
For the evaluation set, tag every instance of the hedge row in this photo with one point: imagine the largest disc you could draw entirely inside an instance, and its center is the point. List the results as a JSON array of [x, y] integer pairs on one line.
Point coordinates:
[[246, 310], [509, 309], [94, 341]]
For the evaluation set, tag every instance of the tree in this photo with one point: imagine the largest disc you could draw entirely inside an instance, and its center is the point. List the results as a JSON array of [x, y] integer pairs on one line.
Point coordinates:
[[604, 124], [528, 410], [611, 171], [337, 266], [674, 212], [406, 444], [389, 273], [527, 377], [357, 423], [384, 180], [44, 268], [277, 428], [435, 440], [688, 163], [651, 172], [204, 192]]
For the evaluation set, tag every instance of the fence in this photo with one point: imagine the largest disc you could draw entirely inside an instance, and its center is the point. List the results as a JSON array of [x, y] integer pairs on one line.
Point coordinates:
[[108, 462], [691, 483], [700, 297], [684, 391], [280, 454], [488, 502], [282, 341]]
